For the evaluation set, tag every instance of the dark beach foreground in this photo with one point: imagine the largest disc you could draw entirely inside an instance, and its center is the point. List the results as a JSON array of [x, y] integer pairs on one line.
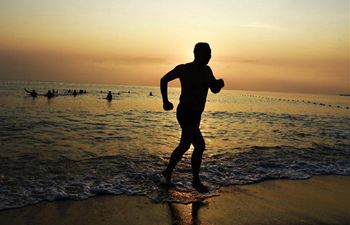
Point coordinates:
[[319, 200]]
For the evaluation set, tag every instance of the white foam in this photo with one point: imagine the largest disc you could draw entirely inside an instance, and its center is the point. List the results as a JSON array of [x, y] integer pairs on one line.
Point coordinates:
[[28, 180]]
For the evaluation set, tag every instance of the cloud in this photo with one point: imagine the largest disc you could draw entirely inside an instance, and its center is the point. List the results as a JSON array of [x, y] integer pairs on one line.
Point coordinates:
[[287, 62], [124, 59], [79, 67], [264, 26]]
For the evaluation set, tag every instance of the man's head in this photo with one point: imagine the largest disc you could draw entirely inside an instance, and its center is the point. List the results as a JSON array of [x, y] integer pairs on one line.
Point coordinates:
[[202, 53]]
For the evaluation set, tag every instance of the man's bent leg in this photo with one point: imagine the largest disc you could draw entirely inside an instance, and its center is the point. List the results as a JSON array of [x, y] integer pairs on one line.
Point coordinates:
[[177, 154], [196, 160]]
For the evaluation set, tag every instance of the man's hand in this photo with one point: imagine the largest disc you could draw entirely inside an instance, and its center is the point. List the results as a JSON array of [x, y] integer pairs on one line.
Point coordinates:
[[220, 83], [168, 106], [217, 85]]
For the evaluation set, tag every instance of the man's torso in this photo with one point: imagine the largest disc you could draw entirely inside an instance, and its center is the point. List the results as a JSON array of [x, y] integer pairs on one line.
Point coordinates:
[[195, 82]]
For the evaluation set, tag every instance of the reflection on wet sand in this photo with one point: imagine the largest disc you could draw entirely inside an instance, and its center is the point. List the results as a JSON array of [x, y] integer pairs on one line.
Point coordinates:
[[181, 214]]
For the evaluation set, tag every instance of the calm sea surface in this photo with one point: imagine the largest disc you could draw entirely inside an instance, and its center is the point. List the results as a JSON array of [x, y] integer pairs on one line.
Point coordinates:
[[77, 147]]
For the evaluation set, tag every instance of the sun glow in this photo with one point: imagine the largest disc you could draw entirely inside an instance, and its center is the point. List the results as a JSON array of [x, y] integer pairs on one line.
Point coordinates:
[[276, 45]]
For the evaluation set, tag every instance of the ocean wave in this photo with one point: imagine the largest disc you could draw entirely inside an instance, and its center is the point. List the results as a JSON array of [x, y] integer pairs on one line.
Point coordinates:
[[29, 179]]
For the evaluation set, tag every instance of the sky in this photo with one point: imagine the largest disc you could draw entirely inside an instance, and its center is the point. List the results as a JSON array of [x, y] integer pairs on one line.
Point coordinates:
[[262, 45]]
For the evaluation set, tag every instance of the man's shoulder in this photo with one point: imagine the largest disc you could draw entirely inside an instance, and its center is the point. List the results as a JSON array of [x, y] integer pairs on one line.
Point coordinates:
[[182, 69], [183, 66], [191, 65], [188, 67]]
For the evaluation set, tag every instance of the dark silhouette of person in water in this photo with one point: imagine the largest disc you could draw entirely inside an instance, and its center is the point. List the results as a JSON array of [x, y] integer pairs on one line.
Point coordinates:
[[109, 96], [32, 93], [196, 78], [49, 94]]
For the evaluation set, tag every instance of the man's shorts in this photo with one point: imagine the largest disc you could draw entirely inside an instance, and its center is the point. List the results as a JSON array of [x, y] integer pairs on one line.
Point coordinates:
[[187, 117]]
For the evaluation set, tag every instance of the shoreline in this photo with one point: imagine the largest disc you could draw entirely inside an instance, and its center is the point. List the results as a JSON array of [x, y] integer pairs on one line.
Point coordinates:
[[318, 200]]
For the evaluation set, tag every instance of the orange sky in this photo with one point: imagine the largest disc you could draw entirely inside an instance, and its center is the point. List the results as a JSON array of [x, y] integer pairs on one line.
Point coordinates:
[[276, 45]]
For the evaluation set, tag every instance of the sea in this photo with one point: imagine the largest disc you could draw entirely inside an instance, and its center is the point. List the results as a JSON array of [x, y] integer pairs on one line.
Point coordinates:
[[78, 147]]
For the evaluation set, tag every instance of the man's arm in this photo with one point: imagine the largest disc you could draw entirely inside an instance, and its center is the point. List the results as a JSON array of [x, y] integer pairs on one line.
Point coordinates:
[[216, 85], [172, 75]]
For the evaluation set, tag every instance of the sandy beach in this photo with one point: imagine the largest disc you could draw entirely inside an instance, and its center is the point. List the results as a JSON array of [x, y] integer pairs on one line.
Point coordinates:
[[319, 200]]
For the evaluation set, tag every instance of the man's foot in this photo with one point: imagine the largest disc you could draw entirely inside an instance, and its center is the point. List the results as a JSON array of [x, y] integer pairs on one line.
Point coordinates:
[[167, 177], [201, 188]]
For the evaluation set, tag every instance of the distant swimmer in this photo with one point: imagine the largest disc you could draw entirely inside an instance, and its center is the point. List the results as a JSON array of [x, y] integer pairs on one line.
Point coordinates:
[[195, 78], [32, 93], [151, 94], [49, 94], [109, 96], [75, 93]]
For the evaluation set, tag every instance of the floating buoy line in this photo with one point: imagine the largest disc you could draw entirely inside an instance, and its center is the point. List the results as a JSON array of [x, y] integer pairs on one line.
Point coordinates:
[[296, 101]]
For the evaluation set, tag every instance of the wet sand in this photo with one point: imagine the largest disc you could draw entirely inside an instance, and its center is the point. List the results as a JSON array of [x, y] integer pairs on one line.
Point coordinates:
[[319, 200]]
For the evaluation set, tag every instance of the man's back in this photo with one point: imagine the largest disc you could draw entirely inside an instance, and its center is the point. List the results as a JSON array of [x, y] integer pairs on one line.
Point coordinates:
[[195, 82]]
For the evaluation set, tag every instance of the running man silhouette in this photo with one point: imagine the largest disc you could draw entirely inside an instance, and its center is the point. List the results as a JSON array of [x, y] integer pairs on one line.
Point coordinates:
[[196, 78]]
